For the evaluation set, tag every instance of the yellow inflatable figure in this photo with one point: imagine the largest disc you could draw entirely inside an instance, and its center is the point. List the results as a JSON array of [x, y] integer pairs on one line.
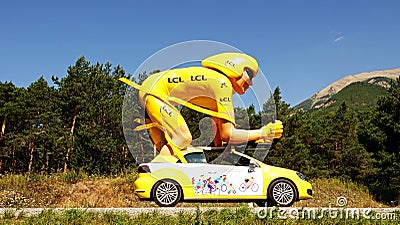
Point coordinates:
[[206, 89]]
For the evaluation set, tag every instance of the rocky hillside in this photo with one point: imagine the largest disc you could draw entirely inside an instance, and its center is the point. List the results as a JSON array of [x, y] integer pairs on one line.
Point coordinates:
[[326, 96]]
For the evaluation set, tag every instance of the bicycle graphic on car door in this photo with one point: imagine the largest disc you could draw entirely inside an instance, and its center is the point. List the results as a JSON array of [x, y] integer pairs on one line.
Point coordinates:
[[249, 183]]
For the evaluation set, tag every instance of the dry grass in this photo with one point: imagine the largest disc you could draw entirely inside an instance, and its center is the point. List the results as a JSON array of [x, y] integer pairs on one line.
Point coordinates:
[[103, 192], [327, 191], [74, 190]]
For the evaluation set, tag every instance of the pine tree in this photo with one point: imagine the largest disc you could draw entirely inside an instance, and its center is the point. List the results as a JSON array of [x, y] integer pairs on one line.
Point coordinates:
[[380, 134]]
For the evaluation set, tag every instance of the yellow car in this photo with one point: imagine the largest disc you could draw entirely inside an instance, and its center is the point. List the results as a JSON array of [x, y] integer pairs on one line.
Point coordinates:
[[167, 181]]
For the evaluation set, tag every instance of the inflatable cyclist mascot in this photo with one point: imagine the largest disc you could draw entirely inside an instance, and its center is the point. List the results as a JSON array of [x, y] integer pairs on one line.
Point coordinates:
[[206, 89]]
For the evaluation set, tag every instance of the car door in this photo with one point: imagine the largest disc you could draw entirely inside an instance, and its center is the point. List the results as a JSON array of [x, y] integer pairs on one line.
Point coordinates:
[[244, 181], [226, 180]]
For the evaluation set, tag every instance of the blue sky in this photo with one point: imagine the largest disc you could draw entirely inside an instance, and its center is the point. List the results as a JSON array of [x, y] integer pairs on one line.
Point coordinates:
[[301, 46]]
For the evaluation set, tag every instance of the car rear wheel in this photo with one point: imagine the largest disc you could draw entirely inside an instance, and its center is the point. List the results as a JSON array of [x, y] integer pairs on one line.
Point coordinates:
[[282, 192], [167, 193]]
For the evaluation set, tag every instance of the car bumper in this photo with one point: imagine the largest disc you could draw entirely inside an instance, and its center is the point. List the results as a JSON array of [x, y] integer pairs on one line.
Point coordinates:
[[305, 191], [143, 185]]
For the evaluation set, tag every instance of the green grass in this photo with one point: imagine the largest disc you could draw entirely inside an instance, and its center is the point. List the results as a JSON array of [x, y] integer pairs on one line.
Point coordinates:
[[225, 216]]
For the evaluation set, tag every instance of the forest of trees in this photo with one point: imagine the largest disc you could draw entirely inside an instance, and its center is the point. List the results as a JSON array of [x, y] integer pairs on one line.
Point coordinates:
[[75, 124]]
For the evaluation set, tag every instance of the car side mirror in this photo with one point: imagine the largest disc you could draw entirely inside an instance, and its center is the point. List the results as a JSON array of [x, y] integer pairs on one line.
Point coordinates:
[[251, 168]]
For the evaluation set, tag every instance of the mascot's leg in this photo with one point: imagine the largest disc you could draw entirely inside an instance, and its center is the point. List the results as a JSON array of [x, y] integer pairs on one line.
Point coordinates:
[[157, 137], [177, 133]]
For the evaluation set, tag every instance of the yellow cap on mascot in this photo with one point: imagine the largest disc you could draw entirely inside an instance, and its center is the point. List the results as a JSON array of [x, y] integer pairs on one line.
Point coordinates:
[[232, 64]]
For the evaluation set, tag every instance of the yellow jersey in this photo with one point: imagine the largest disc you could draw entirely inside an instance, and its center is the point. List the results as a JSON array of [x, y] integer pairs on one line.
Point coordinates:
[[199, 86]]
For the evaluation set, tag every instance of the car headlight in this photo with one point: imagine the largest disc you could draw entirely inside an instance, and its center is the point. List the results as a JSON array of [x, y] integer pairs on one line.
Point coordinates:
[[301, 176]]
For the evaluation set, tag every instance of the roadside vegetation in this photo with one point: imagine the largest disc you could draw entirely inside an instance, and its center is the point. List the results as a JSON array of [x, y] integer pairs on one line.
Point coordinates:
[[82, 191], [241, 215], [78, 190]]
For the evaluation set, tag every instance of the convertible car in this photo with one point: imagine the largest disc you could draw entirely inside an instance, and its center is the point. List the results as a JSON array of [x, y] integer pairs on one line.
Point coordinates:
[[233, 176]]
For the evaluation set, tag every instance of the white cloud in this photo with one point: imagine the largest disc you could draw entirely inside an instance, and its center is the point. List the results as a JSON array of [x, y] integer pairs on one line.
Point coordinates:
[[339, 38], [336, 36]]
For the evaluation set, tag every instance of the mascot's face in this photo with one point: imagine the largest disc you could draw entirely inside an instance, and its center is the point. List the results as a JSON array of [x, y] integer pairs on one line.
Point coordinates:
[[241, 84]]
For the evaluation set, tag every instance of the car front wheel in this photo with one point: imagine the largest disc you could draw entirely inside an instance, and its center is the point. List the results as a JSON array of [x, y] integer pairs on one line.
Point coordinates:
[[167, 193], [282, 192]]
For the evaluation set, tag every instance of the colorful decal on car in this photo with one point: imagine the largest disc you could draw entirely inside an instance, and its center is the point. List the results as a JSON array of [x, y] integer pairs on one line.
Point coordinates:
[[229, 184]]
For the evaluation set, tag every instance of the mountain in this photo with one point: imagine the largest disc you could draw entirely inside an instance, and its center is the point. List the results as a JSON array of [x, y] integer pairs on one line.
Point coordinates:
[[359, 90]]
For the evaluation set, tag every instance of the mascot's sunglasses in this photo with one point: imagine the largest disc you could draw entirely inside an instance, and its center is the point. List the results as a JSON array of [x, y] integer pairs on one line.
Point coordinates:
[[249, 73]]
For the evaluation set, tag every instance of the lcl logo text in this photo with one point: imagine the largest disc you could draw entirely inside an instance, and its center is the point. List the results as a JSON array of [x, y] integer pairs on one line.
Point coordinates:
[[175, 80], [166, 110], [198, 78], [225, 99], [228, 62]]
